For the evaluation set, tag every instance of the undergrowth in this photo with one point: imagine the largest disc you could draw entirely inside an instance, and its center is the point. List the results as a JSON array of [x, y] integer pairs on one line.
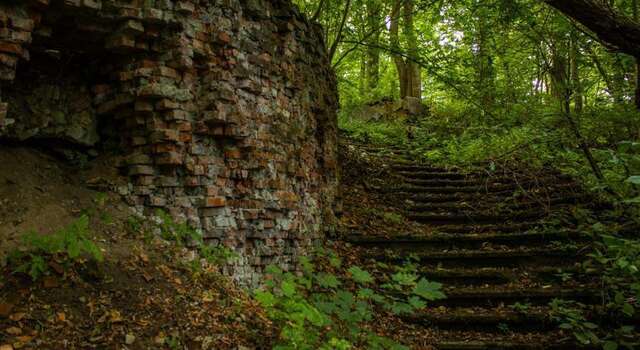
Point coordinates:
[[62, 250], [540, 138], [330, 305]]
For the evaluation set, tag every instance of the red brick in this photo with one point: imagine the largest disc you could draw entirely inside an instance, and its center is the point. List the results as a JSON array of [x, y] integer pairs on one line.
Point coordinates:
[[13, 48], [215, 202]]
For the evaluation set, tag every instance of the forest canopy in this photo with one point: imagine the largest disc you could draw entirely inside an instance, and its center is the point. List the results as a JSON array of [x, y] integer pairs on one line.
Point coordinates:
[[502, 80]]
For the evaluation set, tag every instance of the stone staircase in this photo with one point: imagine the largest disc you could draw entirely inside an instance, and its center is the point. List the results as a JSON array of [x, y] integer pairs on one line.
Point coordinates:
[[499, 270]]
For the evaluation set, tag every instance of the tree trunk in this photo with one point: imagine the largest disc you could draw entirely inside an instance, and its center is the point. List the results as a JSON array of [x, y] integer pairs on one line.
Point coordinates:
[[619, 80], [484, 65], [576, 83], [362, 81], [373, 51], [559, 78], [637, 80], [612, 28], [414, 85], [394, 39], [338, 38], [408, 71], [601, 70]]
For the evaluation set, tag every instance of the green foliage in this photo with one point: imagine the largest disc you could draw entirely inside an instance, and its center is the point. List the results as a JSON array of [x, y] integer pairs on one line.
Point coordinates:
[[181, 233], [185, 235], [570, 316], [619, 259], [330, 309], [217, 255], [69, 245], [373, 132], [393, 218]]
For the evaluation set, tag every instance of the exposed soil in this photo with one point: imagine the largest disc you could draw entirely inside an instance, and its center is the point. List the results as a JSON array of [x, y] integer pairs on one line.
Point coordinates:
[[143, 296]]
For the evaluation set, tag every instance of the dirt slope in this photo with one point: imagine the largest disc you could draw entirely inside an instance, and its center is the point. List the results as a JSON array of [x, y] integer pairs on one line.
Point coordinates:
[[146, 294]]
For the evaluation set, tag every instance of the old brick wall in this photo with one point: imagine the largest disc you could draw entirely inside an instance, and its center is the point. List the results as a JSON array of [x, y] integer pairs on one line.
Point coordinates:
[[223, 110]]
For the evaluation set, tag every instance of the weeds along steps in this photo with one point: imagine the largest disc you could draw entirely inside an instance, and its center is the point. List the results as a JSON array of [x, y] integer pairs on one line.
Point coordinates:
[[512, 272]]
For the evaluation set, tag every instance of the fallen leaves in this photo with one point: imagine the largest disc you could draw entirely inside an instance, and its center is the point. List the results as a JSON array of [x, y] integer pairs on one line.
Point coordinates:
[[5, 309], [13, 331]]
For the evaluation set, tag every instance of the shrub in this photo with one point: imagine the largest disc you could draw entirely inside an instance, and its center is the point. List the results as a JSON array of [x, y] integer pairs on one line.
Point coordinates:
[[69, 245], [328, 310]]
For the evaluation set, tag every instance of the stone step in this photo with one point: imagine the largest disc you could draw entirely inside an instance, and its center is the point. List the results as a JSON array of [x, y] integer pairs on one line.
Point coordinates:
[[497, 344], [382, 149], [448, 241], [456, 198], [500, 275], [448, 219], [476, 318], [495, 296], [454, 207], [486, 182], [420, 168], [440, 182], [494, 228], [519, 257], [489, 189], [427, 175]]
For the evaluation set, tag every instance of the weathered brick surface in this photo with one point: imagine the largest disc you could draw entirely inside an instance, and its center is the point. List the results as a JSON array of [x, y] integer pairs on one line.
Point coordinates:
[[224, 109]]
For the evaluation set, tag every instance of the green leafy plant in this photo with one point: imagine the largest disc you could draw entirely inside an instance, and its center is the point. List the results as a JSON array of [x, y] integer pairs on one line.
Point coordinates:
[[330, 309], [69, 246], [570, 316], [185, 235], [181, 233]]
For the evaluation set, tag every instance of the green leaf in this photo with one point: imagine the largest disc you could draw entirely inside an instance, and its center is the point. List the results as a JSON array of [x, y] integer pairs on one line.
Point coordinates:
[[405, 279], [417, 303], [610, 345], [400, 308], [365, 293], [429, 290], [359, 275], [326, 280], [634, 180], [628, 309], [288, 288], [265, 298]]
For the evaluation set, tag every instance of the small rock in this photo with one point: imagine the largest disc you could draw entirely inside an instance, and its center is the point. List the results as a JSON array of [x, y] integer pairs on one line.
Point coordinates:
[[129, 339]]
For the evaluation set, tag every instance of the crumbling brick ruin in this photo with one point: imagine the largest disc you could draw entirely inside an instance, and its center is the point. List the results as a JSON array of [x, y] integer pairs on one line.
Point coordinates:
[[223, 111]]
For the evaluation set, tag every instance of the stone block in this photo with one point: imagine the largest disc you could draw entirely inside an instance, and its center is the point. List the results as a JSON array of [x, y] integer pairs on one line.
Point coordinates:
[[215, 202], [171, 158], [11, 48], [131, 27], [121, 42], [136, 170], [92, 4]]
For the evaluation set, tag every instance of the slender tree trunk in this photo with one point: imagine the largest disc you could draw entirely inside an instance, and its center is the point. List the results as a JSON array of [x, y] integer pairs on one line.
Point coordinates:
[[373, 52], [637, 80], [619, 79], [484, 63], [408, 71], [394, 38], [560, 88], [316, 14], [576, 84], [414, 85], [362, 81], [338, 39], [602, 71]]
